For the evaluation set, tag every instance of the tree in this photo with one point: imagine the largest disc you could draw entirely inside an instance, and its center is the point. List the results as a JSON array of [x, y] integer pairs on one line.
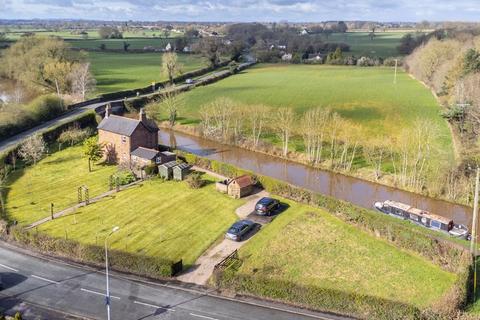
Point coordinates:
[[342, 27], [283, 122], [192, 33], [56, 74], [170, 65], [3, 36], [314, 124], [257, 116], [82, 80], [471, 61], [32, 149], [92, 150], [125, 46], [171, 103], [106, 32], [211, 49]]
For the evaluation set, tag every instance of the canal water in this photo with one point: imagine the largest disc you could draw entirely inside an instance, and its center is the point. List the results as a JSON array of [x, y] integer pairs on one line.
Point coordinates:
[[357, 191]]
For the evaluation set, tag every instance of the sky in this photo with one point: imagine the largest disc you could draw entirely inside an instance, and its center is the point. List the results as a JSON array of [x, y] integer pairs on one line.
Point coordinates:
[[243, 10]]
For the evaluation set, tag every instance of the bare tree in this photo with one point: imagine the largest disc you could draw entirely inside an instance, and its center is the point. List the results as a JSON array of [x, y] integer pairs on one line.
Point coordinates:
[[283, 123], [172, 102], [82, 80], [374, 153], [239, 115], [314, 123], [32, 149], [257, 115], [170, 65], [217, 118]]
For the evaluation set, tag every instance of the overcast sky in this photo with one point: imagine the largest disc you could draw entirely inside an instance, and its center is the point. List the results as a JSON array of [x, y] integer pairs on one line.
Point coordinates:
[[244, 10]]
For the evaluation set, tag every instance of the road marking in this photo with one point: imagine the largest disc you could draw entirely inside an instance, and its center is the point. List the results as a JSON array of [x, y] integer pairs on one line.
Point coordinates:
[[153, 306], [98, 293], [204, 317], [7, 267], [45, 279]]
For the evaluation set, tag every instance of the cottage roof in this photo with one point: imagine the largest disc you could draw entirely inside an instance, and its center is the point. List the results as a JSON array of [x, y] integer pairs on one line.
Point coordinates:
[[124, 126], [182, 166], [243, 181], [144, 153], [170, 164]]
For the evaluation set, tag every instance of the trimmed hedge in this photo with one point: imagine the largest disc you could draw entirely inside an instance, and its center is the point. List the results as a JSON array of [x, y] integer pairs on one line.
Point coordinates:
[[448, 255], [153, 267]]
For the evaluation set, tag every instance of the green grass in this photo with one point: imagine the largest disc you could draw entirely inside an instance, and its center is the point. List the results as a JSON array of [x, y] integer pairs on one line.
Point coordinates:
[[307, 246], [55, 179], [123, 71], [383, 45], [156, 218], [366, 96], [135, 43]]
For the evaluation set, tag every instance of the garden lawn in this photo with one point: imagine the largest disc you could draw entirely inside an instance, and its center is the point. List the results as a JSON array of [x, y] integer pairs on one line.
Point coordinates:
[[309, 247], [55, 179], [123, 71], [156, 218], [365, 96]]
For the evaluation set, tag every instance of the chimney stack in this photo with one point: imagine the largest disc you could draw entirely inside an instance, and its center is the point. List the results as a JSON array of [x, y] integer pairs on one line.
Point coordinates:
[[142, 116], [108, 110]]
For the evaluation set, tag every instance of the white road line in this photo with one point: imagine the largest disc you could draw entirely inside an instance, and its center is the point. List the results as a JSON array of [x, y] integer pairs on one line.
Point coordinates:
[[204, 317], [99, 293], [153, 306], [7, 267], [45, 279]]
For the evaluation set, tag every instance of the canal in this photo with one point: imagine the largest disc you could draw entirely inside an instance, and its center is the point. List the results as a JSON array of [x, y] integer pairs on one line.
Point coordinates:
[[354, 190]]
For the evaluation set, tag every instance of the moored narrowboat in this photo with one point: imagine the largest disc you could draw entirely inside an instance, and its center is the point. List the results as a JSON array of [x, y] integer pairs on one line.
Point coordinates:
[[423, 218]]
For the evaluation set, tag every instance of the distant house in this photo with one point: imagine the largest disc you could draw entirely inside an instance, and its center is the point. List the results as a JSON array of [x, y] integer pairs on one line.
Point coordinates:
[[304, 32], [316, 57], [287, 57], [168, 47], [120, 135]]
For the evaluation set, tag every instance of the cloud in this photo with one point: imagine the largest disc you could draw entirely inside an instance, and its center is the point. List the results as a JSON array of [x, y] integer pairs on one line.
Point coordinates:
[[248, 10]]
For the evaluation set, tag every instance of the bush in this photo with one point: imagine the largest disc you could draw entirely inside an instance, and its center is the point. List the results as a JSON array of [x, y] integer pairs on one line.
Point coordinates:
[[74, 135], [124, 177], [195, 181], [151, 170], [45, 108]]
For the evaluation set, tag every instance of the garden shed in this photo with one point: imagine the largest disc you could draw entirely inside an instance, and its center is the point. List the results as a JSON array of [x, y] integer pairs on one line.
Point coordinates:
[[240, 186], [166, 170], [181, 171], [166, 156]]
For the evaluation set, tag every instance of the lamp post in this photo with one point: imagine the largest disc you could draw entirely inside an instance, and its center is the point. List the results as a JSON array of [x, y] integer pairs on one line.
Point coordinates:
[[107, 297]]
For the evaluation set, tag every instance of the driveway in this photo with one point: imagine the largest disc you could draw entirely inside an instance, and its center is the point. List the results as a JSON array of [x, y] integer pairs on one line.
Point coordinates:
[[203, 268]]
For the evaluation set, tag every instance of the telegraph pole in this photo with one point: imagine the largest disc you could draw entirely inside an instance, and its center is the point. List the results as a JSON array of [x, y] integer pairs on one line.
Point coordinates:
[[395, 76]]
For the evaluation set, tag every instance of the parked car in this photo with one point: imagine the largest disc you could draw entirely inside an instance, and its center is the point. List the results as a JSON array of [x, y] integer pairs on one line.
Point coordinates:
[[266, 206], [239, 229], [189, 81]]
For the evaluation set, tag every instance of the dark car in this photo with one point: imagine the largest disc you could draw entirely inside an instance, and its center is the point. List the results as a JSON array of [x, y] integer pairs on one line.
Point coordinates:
[[266, 206], [239, 229]]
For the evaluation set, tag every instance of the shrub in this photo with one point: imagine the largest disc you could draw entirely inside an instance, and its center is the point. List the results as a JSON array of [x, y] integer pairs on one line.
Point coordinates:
[[44, 108], [124, 177], [151, 170], [195, 180], [74, 135]]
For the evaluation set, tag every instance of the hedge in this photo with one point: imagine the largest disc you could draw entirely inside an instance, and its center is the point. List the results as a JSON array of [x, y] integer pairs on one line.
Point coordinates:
[[153, 267], [448, 255]]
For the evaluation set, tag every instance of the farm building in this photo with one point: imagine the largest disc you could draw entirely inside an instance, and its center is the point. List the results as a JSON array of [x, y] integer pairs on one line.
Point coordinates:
[[181, 171], [166, 170], [121, 135], [238, 187]]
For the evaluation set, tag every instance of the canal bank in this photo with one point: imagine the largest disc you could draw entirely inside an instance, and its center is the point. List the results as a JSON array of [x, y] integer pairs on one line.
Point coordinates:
[[354, 190]]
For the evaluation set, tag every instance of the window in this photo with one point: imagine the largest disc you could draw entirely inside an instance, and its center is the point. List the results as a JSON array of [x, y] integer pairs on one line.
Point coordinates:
[[435, 224], [124, 139], [413, 217], [158, 160]]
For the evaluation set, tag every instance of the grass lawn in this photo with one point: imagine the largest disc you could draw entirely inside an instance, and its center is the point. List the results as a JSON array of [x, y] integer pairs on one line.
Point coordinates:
[[383, 45], [366, 96], [122, 71], [307, 246], [135, 43], [55, 179], [167, 219]]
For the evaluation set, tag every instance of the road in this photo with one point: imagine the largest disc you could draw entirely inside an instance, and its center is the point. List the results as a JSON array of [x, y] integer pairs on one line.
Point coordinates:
[[76, 290], [67, 117]]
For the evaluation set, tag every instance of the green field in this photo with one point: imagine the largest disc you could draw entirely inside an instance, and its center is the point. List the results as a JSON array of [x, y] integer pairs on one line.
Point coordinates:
[[383, 45], [156, 218], [123, 71], [135, 43], [366, 96], [54, 179], [309, 247]]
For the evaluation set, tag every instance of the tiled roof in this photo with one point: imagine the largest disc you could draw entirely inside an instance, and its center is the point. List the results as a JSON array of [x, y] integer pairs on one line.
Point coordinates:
[[124, 126], [144, 153], [244, 181]]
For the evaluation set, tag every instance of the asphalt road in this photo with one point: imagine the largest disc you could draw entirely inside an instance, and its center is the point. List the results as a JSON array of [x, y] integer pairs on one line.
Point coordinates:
[[75, 290]]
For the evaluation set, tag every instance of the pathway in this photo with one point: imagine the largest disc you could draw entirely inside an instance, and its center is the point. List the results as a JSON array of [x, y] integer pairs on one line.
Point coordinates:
[[79, 205], [203, 268]]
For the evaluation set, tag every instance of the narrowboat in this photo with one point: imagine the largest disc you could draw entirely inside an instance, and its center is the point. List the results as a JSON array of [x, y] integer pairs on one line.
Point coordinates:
[[423, 218]]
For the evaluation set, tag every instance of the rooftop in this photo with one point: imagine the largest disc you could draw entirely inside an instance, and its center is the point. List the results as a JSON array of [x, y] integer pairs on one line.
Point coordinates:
[[124, 126], [145, 153]]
